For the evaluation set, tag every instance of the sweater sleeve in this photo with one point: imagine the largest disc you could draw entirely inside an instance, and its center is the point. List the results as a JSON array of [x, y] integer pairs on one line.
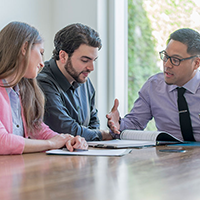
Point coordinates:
[[44, 133], [10, 143], [14, 144]]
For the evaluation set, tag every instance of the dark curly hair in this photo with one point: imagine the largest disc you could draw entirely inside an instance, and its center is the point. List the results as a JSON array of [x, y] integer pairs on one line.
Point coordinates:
[[71, 37]]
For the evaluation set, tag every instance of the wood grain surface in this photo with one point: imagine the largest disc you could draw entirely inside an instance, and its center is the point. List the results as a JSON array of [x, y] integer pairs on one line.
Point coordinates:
[[143, 174]]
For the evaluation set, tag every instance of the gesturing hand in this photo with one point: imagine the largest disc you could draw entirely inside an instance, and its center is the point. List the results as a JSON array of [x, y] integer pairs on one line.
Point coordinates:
[[113, 118]]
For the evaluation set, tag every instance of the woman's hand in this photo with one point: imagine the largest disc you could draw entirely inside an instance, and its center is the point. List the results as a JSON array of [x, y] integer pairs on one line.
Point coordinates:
[[77, 142], [59, 140], [56, 142], [69, 141]]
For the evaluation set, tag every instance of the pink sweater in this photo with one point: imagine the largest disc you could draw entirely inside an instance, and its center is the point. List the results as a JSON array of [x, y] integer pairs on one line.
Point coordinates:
[[10, 143]]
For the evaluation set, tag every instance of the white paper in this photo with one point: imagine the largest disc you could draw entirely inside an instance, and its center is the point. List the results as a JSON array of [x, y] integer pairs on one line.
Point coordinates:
[[90, 152]]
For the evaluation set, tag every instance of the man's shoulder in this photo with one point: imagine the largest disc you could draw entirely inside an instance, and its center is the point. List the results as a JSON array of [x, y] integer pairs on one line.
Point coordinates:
[[154, 83], [46, 73], [156, 79], [158, 76], [46, 78], [46, 69]]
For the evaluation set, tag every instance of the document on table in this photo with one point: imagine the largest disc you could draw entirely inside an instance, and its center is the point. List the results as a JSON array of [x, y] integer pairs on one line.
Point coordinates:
[[120, 144], [90, 152], [137, 139]]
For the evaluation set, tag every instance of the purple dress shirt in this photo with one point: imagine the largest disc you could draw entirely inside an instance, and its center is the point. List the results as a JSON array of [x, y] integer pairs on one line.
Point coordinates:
[[159, 101]]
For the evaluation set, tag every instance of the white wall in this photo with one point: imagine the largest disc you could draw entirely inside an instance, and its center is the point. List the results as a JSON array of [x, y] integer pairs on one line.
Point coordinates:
[[35, 13], [49, 16]]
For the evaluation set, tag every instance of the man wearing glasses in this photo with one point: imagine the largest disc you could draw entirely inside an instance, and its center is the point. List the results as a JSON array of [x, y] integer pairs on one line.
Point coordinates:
[[172, 98]]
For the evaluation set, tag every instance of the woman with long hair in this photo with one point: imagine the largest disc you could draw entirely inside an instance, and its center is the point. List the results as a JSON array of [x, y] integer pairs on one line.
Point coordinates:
[[21, 101]]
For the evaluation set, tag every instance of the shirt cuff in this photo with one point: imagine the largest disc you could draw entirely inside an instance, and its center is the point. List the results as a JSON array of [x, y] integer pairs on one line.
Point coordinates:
[[99, 135], [115, 136], [122, 126]]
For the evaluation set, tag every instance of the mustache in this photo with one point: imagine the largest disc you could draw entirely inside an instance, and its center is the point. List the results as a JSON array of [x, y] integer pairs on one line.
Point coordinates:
[[86, 71]]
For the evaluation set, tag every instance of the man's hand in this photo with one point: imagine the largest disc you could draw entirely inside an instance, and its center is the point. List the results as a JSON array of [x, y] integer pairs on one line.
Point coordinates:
[[113, 118], [106, 135]]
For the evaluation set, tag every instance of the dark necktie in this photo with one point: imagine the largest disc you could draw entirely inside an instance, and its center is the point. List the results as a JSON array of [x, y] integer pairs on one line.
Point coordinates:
[[184, 116]]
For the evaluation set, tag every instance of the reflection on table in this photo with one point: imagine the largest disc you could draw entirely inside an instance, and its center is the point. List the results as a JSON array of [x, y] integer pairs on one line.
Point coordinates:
[[143, 174]]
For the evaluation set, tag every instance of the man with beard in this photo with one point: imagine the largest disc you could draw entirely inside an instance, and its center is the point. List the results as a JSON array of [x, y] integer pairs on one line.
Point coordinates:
[[162, 96], [70, 95]]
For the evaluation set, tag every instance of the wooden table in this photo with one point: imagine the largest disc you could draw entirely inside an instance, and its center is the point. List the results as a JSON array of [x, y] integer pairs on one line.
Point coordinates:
[[143, 174]]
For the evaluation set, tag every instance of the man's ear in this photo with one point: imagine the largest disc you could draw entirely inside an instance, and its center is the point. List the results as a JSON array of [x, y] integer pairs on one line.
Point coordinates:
[[24, 48], [63, 56], [197, 62]]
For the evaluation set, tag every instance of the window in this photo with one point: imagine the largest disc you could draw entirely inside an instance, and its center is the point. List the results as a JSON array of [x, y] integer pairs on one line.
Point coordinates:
[[150, 23]]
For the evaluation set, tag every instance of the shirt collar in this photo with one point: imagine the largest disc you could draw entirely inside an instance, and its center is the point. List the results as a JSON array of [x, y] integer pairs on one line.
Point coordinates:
[[191, 86], [61, 79], [15, 88]]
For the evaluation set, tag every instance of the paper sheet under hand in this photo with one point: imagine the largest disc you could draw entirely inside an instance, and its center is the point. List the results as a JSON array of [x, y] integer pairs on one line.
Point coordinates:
[[90, 152]]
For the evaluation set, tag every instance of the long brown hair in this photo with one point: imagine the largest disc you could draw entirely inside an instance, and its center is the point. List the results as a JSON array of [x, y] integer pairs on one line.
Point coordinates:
[[12, 38]]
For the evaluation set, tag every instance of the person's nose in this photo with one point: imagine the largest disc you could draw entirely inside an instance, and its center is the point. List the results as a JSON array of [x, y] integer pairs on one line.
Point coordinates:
[[41, 64], [90, 66]]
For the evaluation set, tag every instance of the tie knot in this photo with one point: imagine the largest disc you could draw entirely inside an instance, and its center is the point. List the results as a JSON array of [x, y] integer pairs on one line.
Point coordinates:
[[181, 90]]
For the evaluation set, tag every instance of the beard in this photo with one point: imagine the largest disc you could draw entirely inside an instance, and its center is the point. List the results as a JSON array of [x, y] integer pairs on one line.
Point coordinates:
[[72, 72], [169, 83]]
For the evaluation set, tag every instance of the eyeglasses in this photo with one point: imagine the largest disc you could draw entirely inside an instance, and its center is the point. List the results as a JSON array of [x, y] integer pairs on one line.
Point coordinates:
[[175, 61]]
